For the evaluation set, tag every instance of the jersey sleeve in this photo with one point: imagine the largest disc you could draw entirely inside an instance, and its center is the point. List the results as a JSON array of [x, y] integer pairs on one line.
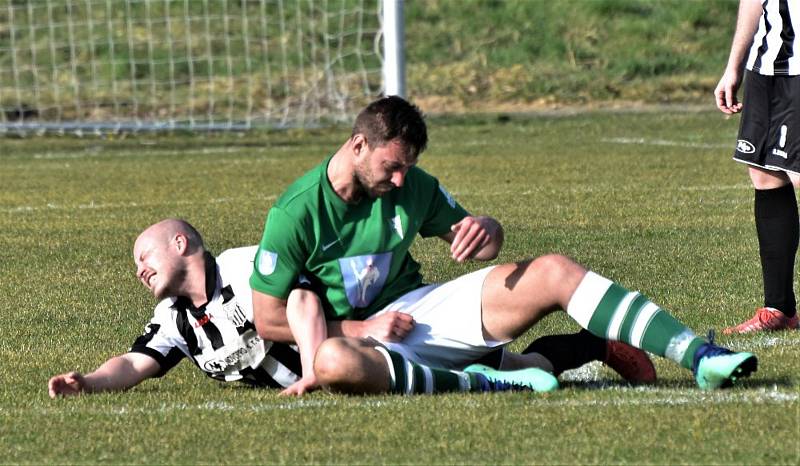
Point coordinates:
[[443, 210], [280, 256], [161, 344]]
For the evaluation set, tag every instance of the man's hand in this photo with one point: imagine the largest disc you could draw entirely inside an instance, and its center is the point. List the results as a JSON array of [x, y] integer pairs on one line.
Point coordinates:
[[71, 383], [390, 326], [301, 387], [725, 93], [475, 238]]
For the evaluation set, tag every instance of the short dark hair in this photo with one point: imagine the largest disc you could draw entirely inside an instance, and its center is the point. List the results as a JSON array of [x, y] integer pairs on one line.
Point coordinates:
[[392, 118]]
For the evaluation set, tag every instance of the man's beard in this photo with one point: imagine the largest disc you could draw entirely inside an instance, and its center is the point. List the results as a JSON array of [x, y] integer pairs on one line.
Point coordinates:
[[366, 187]]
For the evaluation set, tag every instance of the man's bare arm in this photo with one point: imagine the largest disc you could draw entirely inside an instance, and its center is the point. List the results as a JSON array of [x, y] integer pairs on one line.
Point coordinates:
[[118, 373]]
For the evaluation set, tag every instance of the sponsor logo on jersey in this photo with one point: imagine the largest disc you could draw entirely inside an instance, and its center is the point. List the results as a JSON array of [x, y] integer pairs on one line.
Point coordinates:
[[745, 147], [241, 356], [202, 321], [266, 262], [450, 200], [364, 277]]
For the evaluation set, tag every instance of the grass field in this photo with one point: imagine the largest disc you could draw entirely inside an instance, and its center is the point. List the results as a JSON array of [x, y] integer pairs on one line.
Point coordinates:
[[649, 199]]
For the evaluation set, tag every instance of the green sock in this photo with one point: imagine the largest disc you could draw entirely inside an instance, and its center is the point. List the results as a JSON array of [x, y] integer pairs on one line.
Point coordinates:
[[610, 311], [411, 378]]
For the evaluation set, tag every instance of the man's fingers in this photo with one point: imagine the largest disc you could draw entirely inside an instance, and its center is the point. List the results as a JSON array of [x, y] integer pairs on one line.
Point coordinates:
[[460, 232], [52, 387], [463, 239], [472, 243]]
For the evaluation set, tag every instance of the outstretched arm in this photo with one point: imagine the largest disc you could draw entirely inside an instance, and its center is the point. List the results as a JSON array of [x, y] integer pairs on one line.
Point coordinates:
[[746, 26], [477, 238], [118, 373]]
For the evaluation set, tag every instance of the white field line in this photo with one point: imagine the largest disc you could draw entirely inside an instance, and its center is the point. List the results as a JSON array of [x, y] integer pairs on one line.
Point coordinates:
[[664, 142], [765, 341], [97, 151], [127, 205], [526, 192], [634, 396]]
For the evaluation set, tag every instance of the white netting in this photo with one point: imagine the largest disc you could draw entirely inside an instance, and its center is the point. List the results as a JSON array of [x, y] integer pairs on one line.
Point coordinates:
[[198, 64]]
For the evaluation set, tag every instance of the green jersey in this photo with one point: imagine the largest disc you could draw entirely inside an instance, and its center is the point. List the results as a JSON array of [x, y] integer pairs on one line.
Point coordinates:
[[355, 256]]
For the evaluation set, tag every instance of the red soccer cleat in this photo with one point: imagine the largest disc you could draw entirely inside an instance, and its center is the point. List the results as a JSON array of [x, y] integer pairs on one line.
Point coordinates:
[[766, 319], [632, 364]]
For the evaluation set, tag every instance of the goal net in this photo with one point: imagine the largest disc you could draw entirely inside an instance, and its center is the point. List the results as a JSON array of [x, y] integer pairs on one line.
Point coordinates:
[[128, 65]]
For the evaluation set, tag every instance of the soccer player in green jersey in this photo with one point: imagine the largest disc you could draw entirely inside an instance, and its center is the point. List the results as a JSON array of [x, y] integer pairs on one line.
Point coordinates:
[[347, 226]]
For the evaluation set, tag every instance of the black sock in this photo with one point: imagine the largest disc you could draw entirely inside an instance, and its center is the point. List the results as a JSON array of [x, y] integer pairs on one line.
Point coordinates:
[[777, 225], [569, 351]]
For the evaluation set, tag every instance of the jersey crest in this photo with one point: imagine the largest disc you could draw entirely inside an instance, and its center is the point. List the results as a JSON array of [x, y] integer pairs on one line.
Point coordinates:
[[266, 262], [364, 277]]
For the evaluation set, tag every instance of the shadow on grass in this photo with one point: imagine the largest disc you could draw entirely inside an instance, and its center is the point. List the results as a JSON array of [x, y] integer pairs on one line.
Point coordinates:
[[670, 383]]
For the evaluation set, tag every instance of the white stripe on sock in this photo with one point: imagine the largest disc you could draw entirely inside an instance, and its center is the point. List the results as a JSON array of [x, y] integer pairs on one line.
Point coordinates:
[[586, 298], [619, 315], [463, 381], [385, 353], [428, 378], [642, 321], [409, 377], [677, 346]]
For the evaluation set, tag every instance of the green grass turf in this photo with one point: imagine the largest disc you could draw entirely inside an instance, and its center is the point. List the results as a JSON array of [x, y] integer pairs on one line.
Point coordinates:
[[649, 199]]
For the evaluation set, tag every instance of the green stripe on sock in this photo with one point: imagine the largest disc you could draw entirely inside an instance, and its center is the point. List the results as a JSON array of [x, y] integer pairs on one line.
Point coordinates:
[[601, 318], [660, 332], [420, 384], [443, 380], [688, 356], [398, 363], [630, 318]]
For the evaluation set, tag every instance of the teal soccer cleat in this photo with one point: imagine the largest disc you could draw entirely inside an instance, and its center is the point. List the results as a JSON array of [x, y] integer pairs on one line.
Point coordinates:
[[718, 367], [493, 380]]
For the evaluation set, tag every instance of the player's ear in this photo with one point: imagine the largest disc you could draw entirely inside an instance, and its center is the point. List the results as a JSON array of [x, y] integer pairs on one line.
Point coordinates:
[[359, 144], [181, 243]]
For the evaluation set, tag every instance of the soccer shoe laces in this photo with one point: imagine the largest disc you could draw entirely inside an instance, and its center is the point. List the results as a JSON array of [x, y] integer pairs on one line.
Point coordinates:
[[707, 350]]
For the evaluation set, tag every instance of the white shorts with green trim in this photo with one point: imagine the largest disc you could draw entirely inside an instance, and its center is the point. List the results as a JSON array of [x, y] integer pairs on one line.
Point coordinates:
[[448, 330]]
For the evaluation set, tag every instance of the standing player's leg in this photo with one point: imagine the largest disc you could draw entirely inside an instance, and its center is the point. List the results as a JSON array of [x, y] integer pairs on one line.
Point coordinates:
[[516, 296], [350, 365], [768, 142], [777, 228]]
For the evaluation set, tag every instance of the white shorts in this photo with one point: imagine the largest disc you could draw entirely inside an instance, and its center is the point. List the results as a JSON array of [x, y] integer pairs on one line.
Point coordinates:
[[448, 330]]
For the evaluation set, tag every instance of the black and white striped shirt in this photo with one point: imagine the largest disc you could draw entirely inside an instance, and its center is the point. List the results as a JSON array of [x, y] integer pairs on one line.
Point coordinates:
[[219, 337], [776, 45]]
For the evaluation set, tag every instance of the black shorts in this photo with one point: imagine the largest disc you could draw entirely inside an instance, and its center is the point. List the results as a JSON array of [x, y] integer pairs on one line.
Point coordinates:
[[769, 135]]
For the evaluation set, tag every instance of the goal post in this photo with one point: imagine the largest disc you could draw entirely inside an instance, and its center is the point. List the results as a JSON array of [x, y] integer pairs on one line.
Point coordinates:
[[148, 65]]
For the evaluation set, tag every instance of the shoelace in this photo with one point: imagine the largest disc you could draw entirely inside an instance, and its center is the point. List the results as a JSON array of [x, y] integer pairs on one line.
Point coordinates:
[[707, 350]]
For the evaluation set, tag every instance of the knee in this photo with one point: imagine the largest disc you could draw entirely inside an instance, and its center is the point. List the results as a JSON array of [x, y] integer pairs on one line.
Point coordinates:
[[554, 265], [557, 271], [766, 179], [332, 360]]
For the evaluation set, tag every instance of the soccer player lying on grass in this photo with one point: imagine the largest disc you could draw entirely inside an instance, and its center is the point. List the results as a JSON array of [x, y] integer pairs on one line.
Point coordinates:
[[348, 224], [206, 315]]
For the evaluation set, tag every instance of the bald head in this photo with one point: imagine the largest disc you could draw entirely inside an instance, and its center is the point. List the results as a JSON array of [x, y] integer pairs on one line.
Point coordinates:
[[165, 253], [165, 230]]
